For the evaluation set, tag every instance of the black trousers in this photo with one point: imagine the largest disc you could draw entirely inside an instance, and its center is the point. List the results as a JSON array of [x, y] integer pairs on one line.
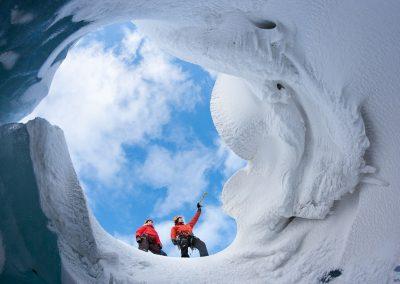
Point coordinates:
[[148, 244], [194, 242]]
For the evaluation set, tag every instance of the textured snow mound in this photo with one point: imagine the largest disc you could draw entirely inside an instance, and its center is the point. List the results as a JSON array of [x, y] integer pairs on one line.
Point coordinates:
[[309, 99], [286, 142]]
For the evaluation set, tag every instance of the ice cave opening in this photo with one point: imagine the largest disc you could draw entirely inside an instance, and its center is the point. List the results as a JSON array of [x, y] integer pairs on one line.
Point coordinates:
[[151, 112], [266, 25]]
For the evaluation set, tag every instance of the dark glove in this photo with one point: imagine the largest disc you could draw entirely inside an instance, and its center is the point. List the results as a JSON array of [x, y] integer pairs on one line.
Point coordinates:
[[175, 242], [138, 240], [199, 206]]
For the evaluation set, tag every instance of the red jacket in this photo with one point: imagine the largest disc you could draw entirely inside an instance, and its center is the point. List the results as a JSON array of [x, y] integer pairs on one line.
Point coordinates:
[[185, 229], [150, 231]]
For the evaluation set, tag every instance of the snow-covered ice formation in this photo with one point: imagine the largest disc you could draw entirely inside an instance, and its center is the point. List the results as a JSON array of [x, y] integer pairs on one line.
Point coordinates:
[[308, 97]]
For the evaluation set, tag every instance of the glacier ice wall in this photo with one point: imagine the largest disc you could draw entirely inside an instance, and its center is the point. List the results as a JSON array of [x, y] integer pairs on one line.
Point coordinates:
[[2, 254], [32, 45], [28, 245], [309, 99]]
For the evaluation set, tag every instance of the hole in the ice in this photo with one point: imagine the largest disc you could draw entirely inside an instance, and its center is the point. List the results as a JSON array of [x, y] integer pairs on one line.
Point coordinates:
[[140, 134], [265, 25], [331, 275], [279, 86]]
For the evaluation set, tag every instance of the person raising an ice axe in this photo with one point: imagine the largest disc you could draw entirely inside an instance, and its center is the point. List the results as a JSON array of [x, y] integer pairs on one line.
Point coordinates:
[[182, 234]]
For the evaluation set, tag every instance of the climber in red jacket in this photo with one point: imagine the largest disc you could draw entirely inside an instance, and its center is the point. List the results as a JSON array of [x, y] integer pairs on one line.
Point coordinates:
[[182, 235], [148, 240]]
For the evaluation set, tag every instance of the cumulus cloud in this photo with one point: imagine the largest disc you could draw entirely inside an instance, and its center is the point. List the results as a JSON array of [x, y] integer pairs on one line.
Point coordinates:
[[128, 239], [108, 98], [164, 231], [183, 173], [130, 44], [103, 102]]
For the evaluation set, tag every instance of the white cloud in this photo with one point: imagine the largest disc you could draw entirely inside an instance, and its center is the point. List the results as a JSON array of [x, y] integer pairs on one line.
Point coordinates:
[[164, 231], [131, 43], [102, 102], [183, 173], [128, 239]]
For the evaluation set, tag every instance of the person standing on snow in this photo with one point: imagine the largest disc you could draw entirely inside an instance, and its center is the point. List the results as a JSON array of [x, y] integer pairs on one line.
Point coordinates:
[[182, 235], [148, 240]]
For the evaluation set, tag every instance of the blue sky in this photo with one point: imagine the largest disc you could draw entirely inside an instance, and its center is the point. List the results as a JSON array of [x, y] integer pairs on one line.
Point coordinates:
[[140, 134]]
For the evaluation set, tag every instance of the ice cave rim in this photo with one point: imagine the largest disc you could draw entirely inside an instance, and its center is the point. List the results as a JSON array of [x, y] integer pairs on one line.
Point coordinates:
[[279, 86]]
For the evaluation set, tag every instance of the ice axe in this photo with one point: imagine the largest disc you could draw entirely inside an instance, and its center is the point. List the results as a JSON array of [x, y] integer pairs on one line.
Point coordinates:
[[202, 197]]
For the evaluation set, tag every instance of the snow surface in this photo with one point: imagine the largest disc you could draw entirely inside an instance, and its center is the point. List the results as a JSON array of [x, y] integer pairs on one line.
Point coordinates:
[[323, 149]]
